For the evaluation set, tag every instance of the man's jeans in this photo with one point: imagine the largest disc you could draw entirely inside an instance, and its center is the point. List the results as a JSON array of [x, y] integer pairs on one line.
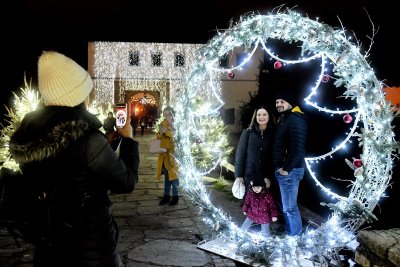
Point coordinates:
[[289, 187]]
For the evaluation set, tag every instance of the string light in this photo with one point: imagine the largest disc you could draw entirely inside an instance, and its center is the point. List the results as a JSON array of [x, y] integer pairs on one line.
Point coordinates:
[[153, 68], [372, 127], [372, 124]]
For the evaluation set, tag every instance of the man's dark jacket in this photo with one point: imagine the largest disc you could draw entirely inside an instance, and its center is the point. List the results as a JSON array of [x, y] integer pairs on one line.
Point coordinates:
[[290, 140]]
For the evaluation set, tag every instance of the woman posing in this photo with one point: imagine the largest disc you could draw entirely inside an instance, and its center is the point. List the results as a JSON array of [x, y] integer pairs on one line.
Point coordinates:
[[253, 153]]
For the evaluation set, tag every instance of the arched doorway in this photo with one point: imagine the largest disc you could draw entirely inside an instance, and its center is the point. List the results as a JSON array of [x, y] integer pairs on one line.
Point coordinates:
[[144, 107], [143, 103]]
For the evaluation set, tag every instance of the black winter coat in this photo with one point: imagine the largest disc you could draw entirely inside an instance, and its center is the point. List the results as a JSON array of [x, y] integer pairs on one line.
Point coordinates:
[[253, 154], [290, 140], [66, 154], [109, 125]]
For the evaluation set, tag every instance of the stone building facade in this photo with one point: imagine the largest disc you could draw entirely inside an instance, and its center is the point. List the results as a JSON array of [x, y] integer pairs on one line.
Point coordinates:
[[124, 70]]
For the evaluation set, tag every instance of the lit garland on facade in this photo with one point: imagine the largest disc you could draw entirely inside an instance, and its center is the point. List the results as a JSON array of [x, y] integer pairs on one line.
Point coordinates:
[[140, 66], [372, 127]]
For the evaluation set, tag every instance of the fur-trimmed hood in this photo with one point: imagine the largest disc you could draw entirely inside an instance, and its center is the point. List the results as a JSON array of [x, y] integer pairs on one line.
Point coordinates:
[[46, 132]]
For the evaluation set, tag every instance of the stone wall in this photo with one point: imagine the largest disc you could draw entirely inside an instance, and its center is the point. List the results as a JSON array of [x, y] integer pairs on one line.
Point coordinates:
[[378, 248]]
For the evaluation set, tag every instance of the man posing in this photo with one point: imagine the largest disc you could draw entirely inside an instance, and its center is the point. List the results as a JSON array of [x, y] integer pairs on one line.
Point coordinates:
[[288, 156]]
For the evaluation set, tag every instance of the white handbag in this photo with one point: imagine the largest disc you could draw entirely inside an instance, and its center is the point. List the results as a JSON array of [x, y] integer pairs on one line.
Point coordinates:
[[154, 147], [238, 189]]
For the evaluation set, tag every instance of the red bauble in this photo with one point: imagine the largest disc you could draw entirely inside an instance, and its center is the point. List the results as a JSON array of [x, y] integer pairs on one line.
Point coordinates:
[[325, 78], [347, 118], [357, 163], [231, 75], [278, 64]]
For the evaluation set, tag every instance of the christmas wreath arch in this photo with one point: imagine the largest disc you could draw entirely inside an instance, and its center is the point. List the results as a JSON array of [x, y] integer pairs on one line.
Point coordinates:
[[372, 126]]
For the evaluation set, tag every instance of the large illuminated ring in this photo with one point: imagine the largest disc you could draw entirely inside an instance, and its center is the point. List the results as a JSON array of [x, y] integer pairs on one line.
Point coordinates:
[[373, 113]]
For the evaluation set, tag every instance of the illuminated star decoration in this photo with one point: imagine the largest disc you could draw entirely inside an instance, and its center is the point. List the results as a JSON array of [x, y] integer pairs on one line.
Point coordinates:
[[371, 125]]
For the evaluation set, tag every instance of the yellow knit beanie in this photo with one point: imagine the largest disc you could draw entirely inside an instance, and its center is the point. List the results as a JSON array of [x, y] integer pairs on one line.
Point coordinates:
[[62, 82]]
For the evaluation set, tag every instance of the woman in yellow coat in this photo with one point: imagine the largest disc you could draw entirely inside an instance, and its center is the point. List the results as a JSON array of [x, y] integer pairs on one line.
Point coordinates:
[[166, 164]]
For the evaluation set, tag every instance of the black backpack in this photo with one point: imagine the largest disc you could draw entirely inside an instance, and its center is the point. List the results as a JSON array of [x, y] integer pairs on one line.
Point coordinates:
[[24, 210]]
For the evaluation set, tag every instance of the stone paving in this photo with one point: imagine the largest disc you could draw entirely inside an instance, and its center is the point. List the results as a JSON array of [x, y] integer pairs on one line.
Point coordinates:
[[150, 235], [153, 235]]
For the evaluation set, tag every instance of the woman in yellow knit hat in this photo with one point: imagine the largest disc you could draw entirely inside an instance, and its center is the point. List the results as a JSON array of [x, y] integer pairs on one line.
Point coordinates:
[[61, 148]]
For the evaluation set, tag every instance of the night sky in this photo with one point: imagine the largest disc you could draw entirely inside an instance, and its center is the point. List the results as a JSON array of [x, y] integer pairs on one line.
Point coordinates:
[[30, 26]]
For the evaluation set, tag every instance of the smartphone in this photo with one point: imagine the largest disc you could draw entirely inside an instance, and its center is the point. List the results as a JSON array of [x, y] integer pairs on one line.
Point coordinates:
[[121, 114]]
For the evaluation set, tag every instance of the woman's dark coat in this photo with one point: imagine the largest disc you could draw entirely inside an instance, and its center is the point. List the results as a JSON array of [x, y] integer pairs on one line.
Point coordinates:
[[253, 154], [66, 155]]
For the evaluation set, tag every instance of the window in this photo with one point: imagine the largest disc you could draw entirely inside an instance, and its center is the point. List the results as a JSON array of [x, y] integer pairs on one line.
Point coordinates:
[[229, 116], [179, 60], [134, 58], [224, 61], [240, 58], [156, 59]]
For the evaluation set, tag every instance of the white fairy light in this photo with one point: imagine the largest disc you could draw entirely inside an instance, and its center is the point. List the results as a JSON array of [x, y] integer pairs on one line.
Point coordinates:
[[373, 116], [112, 63]]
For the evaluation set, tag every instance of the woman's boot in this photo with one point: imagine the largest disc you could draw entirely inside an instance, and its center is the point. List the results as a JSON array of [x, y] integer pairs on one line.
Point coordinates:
[[165, 200], [174, 200]]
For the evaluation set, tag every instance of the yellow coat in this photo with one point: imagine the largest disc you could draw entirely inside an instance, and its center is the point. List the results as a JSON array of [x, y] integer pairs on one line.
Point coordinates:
[[167, 142]]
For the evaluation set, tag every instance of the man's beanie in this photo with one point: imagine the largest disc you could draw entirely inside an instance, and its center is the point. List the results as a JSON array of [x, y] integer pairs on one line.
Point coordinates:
[[62, 82], [287, 96]]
